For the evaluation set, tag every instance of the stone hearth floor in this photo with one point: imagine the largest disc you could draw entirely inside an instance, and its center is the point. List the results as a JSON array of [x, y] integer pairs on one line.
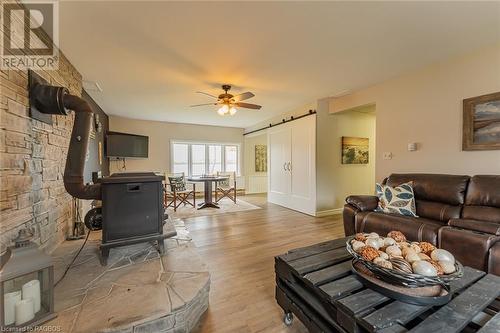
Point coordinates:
[[136, 292]]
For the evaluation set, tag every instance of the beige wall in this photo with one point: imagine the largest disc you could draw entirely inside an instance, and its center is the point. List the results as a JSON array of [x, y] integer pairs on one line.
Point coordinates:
[[426, 107], [335, 181], [161, 133]]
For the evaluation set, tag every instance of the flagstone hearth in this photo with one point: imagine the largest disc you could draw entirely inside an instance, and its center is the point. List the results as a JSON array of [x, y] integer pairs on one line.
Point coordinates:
[[138, 291]]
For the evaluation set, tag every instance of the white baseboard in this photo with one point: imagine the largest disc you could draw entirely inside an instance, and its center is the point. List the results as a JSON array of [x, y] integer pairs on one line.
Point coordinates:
[[329, 212]]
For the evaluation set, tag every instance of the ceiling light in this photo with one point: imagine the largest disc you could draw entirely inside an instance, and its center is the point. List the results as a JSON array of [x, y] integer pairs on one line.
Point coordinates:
[[232, 110], [223, 110]]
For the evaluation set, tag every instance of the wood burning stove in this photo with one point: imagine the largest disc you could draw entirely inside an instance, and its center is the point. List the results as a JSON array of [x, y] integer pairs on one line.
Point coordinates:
[[132, 210], [132, 203]]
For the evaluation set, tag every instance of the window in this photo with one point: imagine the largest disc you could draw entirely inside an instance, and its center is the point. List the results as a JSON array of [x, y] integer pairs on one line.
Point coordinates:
[[180, 160], [214, 159], [231, 158], [196, 159]]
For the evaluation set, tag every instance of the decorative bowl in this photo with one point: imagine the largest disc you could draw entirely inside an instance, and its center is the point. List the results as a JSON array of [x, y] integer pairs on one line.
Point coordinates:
[[410, 280]]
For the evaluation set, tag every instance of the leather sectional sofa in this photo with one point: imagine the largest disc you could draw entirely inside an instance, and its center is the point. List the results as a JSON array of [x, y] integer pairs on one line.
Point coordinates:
[[458, 213]]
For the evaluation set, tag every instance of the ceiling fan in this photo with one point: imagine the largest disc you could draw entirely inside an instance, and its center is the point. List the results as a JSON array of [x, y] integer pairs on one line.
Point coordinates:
[[229, 102]]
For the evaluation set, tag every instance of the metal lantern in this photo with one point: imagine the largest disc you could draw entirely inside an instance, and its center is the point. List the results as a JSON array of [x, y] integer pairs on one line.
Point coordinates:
[[26, 284]]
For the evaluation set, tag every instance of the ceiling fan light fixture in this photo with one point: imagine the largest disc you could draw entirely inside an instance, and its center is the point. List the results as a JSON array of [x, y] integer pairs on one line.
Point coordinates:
[[223, 110], [228, 102]]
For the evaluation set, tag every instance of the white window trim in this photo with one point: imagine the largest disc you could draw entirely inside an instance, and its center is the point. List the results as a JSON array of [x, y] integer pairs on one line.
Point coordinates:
[[206, 143]]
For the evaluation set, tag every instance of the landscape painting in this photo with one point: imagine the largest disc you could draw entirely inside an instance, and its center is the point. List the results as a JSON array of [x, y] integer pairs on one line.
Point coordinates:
[[482, 122], [487, 122], [354, 150], [260, 158]]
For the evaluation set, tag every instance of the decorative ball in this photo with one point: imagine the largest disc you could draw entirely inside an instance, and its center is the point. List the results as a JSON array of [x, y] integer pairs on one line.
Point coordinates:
[[438, 267], [383, 255], [425, 268], [382, 262], [381, 242], [442, 255], [369, 253], [447, 266], [423, 256], [373, 235], [373, 242], [360, 237], [398, 236], [401, 265], [403, 244], [415, 247], [388, 241], [406, 251], [426, 247], [393, 251], [412, 257], [357, 245]]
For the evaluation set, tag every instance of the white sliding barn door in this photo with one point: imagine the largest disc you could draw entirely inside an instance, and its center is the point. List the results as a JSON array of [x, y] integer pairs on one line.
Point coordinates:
[[279, 140], [292, 165], [303, 166]]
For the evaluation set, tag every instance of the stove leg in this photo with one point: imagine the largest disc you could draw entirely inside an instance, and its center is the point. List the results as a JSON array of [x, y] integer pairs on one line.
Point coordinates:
[[161, 246], [104, 256]]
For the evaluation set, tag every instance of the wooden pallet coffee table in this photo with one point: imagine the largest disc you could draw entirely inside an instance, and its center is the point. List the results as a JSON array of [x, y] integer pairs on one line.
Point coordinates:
[[315, 283]]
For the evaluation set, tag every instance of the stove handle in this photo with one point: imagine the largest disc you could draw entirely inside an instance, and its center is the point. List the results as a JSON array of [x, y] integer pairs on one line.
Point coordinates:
[[133, 187]]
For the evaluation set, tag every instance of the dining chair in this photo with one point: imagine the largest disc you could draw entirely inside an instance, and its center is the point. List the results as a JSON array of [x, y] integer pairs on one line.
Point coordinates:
[[177, 191], [226, 187]]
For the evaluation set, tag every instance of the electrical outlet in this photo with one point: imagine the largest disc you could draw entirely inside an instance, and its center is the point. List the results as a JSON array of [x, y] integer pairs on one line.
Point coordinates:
[[387, 156], [412, 146]]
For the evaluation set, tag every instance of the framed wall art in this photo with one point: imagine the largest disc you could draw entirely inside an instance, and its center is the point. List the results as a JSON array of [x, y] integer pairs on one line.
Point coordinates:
[[260, 158], [355, 150], [481, 126]]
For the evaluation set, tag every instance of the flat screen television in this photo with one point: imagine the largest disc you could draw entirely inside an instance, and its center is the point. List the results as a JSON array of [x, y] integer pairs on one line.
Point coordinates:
[[125, 145]]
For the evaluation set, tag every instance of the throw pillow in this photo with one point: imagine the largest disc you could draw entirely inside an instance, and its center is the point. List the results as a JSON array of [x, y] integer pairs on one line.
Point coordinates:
[[396, 200], [177, 183]]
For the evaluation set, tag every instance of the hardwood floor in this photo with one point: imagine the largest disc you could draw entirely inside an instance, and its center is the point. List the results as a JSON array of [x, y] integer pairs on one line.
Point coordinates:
[[239, 249]]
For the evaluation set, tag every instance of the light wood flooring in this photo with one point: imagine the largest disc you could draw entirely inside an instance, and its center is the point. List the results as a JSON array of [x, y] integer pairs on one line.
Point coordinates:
[[239, 249]]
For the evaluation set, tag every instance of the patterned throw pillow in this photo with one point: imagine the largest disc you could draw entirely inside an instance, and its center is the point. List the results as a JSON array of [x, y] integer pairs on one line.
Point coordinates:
[[177, 183], [396, 200]]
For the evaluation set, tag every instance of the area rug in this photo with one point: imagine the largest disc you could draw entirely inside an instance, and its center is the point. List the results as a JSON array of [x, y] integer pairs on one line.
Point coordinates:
[[226, 206]]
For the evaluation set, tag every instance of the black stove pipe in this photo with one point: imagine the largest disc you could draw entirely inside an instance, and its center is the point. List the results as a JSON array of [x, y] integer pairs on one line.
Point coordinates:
[[56, 100]]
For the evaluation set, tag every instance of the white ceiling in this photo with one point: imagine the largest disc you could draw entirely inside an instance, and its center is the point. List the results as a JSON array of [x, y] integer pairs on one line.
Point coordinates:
[[151, 57]]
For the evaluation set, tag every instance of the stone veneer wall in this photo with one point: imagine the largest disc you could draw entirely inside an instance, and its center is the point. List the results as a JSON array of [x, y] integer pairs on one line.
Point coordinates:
[[32, 160]]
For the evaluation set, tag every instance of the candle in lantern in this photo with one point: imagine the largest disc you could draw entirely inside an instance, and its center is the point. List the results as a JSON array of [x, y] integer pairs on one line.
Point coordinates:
[[24, 311], [9, 302], [31, 289]]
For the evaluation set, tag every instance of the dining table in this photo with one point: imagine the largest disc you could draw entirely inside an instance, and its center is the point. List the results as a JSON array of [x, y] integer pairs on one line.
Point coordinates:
[[207, 180]]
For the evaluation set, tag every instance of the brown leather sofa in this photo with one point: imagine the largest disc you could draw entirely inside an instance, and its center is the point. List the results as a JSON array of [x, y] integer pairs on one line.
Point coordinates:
[[457, 213]]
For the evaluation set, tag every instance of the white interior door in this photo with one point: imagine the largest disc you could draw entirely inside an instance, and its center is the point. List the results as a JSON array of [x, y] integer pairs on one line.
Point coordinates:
[[279, 182], [303, 165]]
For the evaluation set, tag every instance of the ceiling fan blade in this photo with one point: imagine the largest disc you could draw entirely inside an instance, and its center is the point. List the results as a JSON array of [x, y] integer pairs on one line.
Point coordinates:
[[203, 104], [242, 97], [204, 93], [248, 106]]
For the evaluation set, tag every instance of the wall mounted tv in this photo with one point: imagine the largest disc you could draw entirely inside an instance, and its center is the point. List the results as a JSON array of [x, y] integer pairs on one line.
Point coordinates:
[[125, 145]]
